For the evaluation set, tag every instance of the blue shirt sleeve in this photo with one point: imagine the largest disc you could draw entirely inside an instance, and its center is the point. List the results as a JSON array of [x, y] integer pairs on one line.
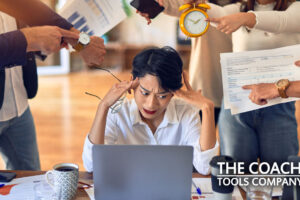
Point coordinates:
[[12, 49]]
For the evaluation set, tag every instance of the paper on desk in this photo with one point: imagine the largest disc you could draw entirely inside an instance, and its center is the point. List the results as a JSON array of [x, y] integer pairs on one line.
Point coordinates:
[[252, 67], [90, 192], [94, 17], [27, 188], [205, 185]]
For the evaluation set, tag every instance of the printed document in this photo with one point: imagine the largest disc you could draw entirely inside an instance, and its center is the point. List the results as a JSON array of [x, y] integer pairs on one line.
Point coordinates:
[[94, 17], [252, 67]]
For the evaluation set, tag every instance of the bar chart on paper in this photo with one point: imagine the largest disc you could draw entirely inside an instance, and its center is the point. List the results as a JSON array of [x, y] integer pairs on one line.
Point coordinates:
[[95, 17]]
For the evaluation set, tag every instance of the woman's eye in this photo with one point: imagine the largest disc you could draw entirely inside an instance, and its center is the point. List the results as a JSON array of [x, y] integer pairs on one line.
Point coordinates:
[[162, 97], [144, 93]]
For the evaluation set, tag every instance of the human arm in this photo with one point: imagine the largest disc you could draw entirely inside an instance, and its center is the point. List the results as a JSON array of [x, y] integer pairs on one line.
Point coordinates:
[[104, 129], [201, 136], [270, 21], [97, 132], [15, 44], [261, 93], [36, 13], [172, 8], [208, 130]]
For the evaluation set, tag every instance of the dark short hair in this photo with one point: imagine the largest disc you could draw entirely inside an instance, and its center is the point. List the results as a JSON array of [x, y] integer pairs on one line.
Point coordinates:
[[165, 63]]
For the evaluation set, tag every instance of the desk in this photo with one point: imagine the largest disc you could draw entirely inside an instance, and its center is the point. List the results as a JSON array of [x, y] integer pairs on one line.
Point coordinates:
[[88, 178]]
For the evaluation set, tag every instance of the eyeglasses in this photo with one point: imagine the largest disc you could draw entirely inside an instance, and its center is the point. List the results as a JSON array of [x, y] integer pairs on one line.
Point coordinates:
[[117, 106]]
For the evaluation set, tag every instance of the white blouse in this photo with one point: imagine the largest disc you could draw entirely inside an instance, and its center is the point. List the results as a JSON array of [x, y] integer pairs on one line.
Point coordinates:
[[180, 126]]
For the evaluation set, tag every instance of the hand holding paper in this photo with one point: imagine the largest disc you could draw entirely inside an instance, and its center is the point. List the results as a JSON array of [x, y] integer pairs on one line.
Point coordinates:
[[254, 67]]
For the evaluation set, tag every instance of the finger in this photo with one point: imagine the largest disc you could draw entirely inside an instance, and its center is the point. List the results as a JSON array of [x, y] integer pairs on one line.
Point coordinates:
[[160, 2], [135, 83], [186, 81], [297, 63], [68, 34], [180, 93], [216, 20], [263, 102], [247, 87]]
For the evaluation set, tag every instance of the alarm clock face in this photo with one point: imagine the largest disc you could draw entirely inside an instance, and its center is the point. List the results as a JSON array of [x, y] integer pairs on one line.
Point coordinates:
[[194, 22]]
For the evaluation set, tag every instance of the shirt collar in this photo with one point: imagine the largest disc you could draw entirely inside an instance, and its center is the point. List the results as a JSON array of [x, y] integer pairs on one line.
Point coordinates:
[[170, 116]]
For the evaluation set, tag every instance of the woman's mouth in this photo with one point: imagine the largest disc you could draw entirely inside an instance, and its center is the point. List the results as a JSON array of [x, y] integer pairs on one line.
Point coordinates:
[[149, 112]]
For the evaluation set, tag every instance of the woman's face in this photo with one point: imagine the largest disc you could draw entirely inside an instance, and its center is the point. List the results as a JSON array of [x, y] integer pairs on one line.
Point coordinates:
[[151, 99]]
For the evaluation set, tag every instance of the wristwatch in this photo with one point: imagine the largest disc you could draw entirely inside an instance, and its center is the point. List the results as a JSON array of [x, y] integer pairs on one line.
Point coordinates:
[[282, 85], [84, 40]]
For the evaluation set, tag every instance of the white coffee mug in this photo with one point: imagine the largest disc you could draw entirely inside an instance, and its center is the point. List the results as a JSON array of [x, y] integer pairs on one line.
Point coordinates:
[[64, 180]]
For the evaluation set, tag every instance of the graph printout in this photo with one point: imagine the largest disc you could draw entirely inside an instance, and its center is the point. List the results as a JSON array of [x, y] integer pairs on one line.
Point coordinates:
[[94, 17]]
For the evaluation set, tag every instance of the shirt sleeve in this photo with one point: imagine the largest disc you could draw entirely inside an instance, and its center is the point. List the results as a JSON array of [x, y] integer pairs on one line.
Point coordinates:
[[279, 21], [33, 13], [192, 132], [172, 7], [12, 49], [111, 132], [87, 155], [217, 11]]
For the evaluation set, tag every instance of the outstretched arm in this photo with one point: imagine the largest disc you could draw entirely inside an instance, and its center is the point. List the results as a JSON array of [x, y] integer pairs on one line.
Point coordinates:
[[271, 21], [261, 93]]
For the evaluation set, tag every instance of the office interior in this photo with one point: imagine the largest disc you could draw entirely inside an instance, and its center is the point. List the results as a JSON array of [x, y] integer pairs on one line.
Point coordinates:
[[63, 113]]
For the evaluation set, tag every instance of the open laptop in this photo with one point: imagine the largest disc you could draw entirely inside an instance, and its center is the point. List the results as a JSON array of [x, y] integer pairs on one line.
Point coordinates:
[[142, 172]]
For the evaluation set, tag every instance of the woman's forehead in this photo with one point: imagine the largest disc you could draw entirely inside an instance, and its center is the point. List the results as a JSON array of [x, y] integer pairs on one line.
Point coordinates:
[[150, 83]]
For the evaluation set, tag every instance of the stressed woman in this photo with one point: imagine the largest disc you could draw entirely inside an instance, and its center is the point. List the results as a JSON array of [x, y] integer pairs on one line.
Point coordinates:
[[154, 117]]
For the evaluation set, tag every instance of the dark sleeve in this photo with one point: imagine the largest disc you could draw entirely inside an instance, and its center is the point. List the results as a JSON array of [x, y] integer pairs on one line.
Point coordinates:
[[12, 49], [33, 13]]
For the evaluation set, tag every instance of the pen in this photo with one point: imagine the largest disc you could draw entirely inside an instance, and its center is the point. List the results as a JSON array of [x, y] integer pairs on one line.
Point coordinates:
[[197, 188]]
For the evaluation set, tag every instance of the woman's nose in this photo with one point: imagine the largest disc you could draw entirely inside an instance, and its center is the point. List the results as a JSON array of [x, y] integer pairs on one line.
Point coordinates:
[[151, 102]]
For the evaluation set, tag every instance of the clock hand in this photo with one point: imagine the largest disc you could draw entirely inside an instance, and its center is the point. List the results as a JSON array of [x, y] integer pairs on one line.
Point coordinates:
[[197, 21], [191, 20]]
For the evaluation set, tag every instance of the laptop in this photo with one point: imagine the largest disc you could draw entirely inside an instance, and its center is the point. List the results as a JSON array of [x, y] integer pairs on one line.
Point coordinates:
[[142, 172]]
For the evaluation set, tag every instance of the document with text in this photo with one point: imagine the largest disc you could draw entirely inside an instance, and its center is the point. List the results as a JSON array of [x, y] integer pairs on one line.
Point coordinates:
[[94, 17], [253, 67]]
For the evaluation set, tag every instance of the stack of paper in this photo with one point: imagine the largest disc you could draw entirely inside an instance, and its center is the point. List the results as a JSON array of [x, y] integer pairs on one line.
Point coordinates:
[[252, 67], [32, 187]]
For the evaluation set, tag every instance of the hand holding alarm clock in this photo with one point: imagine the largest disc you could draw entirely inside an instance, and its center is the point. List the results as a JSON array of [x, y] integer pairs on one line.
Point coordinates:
[[193, 20]]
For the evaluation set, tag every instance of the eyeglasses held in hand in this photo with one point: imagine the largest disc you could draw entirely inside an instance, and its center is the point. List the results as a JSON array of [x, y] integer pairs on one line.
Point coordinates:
[[117, 106]]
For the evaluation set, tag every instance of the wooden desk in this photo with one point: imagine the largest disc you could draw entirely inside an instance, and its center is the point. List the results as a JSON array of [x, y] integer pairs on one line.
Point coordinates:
[[88, 178]]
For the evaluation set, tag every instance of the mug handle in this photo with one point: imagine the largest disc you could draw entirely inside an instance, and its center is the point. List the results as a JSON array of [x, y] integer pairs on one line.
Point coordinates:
[[47, 178]]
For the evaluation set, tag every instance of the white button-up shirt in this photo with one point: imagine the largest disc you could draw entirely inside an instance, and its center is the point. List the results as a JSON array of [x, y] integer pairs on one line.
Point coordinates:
[[15, 96], [180, 126]]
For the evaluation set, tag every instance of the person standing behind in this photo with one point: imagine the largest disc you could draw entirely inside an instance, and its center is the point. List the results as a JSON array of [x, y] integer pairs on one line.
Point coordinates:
[[270, 133], [18, 73]]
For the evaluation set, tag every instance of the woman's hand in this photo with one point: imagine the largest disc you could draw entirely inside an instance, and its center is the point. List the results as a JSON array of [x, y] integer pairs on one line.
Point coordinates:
[[230, 23], [297, 63], [145, 15], [117, 90], [193, 97]]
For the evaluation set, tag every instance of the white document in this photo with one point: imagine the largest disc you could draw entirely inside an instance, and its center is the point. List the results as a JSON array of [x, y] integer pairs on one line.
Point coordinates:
[[94, 17], [205, 186], [252, 67], [27, 188]]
